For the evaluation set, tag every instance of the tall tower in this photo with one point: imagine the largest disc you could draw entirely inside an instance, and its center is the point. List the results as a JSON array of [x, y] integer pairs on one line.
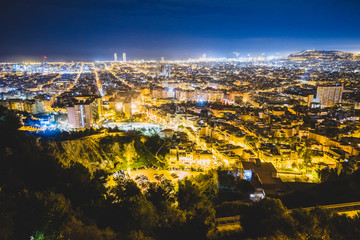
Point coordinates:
[[124, 57], [45, 67], [115, 57], [44, 61]]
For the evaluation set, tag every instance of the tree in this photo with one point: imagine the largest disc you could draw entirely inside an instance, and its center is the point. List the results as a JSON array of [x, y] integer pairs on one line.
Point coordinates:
[[124, 190], [161, 194], [75, 229], [199, 210], [8, 120], [188, 195], [31, 213], [130, 153], [265, 218]]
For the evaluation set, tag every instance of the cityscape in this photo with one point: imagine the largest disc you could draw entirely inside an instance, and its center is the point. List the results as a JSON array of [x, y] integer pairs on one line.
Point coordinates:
[[180, 129]]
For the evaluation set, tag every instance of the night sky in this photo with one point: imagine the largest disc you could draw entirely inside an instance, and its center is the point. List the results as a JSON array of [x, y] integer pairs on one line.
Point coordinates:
[[175, 29]]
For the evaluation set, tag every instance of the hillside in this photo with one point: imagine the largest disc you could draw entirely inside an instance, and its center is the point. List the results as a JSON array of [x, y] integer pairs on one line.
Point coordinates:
[[309, 55], [111, 152]]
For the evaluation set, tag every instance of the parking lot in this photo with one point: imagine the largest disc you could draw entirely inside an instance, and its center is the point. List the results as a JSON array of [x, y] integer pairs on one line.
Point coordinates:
[[150, 174]]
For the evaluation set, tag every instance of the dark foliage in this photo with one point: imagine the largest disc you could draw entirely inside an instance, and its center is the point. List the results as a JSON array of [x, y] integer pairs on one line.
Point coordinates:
[[42, 199], [337, 189]]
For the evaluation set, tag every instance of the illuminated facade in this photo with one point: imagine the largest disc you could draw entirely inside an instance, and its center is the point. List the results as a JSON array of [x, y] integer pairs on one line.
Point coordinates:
[[328, 96], [83, 114]]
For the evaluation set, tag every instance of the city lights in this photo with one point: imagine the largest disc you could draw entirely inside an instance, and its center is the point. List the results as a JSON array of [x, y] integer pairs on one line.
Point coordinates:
[[170, 119]]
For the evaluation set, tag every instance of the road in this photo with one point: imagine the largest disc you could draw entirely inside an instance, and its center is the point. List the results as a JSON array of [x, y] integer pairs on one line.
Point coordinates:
[[339, 206], [349, 208], [98, 83], [122, 80], [156, 155], [228, 223]]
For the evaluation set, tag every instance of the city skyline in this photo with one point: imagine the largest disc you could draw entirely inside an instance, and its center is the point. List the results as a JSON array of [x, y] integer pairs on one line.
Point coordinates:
[[72, 30], [236, 57], [175, 119]]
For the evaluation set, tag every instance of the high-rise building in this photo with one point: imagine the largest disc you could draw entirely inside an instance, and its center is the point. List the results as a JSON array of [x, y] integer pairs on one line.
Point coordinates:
[[83, 113], [45, 65], [124, 57], [115, 57], [328, 96], [162, 59]]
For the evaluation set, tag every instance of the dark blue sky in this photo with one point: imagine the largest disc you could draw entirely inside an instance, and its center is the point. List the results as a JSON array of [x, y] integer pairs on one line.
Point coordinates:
[[95, 29]]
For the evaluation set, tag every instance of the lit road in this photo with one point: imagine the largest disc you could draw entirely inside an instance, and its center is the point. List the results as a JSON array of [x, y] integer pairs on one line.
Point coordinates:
[[228, 223], [122, 80], [51, 81], [340, 208], [98, 84]]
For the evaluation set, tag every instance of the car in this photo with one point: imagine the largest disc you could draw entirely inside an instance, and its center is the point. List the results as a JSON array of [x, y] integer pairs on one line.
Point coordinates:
[[174, 175], [158, 177], [141, 177], [257, 195]]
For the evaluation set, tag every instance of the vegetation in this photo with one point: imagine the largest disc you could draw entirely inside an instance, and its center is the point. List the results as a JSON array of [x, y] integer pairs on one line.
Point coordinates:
[[41, 198], [269, 219], [110, 152], [336, 189]]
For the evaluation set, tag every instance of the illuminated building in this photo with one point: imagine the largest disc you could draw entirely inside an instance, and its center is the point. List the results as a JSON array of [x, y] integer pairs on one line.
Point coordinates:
[[84, 113], [159, 93], [127, 108], [124, 57], [327, 96], [44, 65], [115, 57], [31, 106], [123, 105], [16, 68], [170, 93]]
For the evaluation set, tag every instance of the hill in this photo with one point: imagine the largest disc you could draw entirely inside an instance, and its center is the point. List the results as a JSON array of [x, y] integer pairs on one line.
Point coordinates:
[[111, 152], [309, 55]]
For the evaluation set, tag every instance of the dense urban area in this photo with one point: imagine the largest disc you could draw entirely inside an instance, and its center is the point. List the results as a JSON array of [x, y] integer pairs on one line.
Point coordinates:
[[242, 148]]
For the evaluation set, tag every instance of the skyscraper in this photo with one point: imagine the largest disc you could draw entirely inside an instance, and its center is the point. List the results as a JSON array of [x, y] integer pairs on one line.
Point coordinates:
[[124, 57], [327, 96], [45, 66], [168, 70], [115, 57]]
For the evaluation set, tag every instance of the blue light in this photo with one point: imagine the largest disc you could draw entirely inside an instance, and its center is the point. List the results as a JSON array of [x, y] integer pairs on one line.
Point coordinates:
[[247, 175]]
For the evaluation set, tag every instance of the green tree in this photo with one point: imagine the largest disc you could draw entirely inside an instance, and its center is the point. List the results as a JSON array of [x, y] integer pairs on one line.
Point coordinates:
[[199, 210], [267, 217], [161, 194], [188, 195], [75, 229]]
